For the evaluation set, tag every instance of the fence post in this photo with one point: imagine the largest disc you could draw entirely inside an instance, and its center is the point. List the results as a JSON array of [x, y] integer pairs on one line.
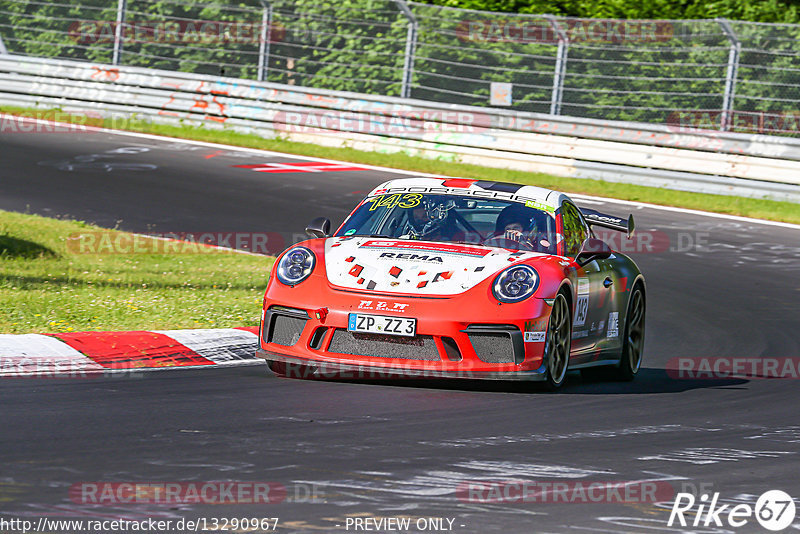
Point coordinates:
[[117, 55], [3, 49], [263, 45], [411, 46], [730, 76], [561, 66]]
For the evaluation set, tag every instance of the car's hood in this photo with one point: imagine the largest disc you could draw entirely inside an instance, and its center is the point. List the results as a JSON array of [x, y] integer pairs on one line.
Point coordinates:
[[422, 267]]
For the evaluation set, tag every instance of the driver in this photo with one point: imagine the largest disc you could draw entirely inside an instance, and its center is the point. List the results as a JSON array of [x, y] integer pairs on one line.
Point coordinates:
[[431, 221], [517, 223]]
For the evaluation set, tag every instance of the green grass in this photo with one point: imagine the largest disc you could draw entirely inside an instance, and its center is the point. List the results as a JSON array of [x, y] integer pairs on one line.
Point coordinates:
[[746, 207], [47, 285]]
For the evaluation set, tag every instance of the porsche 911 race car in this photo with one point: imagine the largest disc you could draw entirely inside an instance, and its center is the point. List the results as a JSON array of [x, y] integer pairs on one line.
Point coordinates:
[[456, 278]]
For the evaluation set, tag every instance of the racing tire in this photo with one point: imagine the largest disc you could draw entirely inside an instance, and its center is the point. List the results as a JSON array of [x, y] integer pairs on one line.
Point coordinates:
[[633, 340], [558, 343]]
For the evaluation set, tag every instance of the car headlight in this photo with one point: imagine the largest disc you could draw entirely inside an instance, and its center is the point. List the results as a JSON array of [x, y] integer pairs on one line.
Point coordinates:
[[515, 284], [295, 266]]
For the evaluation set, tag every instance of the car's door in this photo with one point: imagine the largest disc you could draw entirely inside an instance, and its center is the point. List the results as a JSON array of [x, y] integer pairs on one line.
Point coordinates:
[[593, 288]]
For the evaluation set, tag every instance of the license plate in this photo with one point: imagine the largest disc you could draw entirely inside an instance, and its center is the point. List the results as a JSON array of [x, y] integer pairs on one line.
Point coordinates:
[[382, 324]]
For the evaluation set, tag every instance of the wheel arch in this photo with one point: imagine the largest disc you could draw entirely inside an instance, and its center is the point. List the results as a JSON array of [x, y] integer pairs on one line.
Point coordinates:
[[638, 281], [567, 288]]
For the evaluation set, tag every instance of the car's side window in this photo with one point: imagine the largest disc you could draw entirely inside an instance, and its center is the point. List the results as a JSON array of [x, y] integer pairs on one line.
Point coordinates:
[[575, 230]]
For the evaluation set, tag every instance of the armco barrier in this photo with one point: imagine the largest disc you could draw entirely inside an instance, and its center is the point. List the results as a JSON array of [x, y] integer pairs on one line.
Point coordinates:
[[648, 154]]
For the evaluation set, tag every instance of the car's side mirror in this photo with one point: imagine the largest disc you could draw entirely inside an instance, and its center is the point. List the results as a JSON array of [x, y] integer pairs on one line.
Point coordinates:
[[319, 227], [593, 249]]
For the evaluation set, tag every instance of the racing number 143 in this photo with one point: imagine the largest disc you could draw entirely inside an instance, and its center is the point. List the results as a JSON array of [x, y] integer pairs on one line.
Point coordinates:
[[581, 309], [409, 200]]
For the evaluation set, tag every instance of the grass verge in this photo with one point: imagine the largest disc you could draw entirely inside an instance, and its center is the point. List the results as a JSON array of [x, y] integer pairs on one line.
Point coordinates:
[[47, 284], [746, 207]]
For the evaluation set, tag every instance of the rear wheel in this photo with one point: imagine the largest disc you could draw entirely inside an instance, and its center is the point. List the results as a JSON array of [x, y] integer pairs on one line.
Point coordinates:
[[558, 343], [633, 340]]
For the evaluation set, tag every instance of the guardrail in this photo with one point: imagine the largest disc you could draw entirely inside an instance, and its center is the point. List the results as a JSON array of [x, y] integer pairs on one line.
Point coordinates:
[[741, 74], [655, 155]]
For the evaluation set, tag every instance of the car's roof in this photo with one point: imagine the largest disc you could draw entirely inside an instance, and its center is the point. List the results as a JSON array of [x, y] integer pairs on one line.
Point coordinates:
[[467, 186]]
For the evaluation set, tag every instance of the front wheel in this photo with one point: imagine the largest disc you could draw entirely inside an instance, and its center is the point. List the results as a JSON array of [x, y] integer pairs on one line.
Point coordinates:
[[558, 343], [633, 342]]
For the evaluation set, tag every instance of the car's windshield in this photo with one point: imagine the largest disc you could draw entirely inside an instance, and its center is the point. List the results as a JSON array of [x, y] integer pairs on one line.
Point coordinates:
[[454, 218]]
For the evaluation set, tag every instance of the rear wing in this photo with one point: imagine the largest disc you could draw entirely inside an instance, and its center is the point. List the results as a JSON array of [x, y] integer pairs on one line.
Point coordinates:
[[595, 218]]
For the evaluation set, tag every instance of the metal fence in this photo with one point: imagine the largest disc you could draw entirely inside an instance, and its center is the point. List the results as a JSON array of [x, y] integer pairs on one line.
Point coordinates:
[[718, 74]]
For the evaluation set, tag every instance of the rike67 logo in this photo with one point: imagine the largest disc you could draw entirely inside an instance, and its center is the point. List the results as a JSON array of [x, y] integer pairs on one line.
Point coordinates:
[[774, 510]]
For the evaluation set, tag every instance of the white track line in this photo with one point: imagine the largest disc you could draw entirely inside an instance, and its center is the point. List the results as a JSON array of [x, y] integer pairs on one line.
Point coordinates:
[[690, 211], [270, 153]]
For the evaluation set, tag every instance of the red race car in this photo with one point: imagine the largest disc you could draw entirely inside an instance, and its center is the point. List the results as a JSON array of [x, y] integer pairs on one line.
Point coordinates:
[[456, 278]]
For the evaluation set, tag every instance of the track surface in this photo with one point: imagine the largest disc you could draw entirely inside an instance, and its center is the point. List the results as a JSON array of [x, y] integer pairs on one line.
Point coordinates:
[[400, 449]]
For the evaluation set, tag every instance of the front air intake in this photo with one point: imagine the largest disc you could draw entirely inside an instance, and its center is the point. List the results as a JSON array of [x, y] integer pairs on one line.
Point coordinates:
[[283, 326], [382, 346], [497, 343]]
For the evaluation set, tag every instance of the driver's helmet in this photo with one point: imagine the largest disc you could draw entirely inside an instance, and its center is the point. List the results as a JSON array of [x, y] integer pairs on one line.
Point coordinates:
[[429, 216], [516, 214]]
